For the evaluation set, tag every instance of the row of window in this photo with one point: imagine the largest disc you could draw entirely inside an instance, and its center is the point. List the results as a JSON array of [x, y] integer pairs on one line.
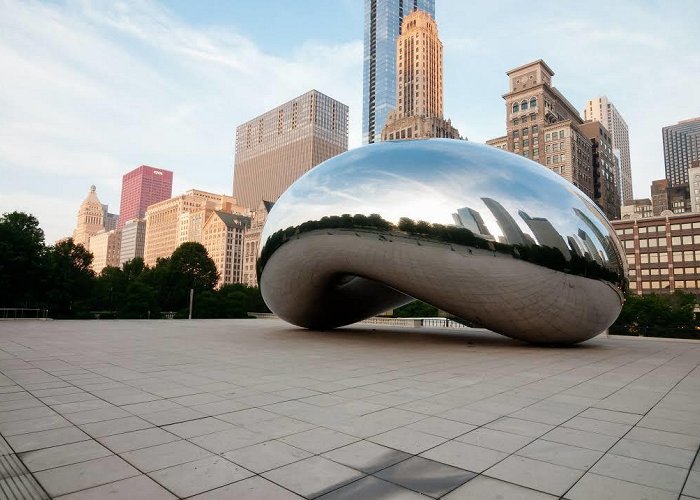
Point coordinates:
[[523, 119], [660, 229], [662, 257], [556, 159], [522, 106], [656, 285], [554, 135]]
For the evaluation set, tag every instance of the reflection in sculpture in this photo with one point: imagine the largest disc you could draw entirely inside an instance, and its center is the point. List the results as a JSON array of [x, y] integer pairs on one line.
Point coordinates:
[[480, 233]]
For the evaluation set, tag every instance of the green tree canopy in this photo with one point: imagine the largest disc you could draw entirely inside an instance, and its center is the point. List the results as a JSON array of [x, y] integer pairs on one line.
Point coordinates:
[[21, 260], [70, 279]]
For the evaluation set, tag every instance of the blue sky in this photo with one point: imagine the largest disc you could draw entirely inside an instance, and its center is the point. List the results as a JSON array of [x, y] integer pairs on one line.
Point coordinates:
[[90, 90]]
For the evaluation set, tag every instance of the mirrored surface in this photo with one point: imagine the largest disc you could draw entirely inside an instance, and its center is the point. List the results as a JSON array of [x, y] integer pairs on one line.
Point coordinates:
[[452, 198]]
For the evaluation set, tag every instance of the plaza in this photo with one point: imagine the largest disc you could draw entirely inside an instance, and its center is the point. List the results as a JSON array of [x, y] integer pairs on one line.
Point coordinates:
[[242, 409]]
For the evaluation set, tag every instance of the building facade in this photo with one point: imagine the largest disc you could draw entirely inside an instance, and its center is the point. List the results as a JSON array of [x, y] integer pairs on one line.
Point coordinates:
[[383, 19], [600, 109], [694, 186], [222, 236], [90, 219], [663, 253], [605, 192], [419, 83], [110, 220], [133, 240], [166, 228], [542, 125], [105, 249], [141, 188], [681, 148], [639, 208], [251, 243], [276, 148]]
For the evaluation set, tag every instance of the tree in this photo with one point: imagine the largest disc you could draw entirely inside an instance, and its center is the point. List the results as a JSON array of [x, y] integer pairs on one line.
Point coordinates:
[[172, 278], [21, 259], [69, 279], [416, 309], [194, 266], [140, 302]]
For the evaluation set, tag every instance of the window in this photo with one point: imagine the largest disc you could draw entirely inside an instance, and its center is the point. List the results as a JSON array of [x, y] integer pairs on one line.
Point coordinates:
[[676, 240], [629, 243], [516, 133], [533, 102], [687, 240], [516, 121], [643, 243], [534, 129], [526, 131], [630, 259], [561, 134], [523, 105], [547, 136]]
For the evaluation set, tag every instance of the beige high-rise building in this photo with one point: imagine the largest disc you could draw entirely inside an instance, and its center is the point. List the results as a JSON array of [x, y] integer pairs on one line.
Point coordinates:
[[276, 148], [180, 219], [601, 110], [419, 83], [105, 247], [251, 243], [90, 219], [222, 236], [133, 240]]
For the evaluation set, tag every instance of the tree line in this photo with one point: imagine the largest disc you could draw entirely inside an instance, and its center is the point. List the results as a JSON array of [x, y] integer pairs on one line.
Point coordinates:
[[59, 278]]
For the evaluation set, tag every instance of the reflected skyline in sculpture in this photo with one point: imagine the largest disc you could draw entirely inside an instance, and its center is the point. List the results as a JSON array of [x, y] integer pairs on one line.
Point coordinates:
[[447, 196]]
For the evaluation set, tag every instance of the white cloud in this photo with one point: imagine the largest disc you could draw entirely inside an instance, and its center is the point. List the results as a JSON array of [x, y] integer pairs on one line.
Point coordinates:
[[91, 90]]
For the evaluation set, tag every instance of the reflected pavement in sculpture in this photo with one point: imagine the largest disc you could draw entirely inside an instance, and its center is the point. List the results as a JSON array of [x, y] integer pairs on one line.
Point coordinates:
[[480, 233]]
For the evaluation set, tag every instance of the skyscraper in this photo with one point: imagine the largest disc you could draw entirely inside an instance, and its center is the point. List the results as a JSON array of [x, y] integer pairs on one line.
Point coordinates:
[[276, 148], [142, 187], [601, 110], [90, 219], [419, 84], [681, 148], [383, 20], [133, 240], [605, 192]]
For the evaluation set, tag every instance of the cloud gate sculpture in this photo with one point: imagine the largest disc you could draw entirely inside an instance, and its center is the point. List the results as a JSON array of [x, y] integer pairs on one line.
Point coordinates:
[[480, 233]]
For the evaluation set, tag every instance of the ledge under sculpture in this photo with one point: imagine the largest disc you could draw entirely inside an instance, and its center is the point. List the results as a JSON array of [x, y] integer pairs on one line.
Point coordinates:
[[480, 233]]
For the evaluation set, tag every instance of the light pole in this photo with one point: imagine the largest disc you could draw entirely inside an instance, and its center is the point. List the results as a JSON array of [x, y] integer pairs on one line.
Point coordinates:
[[191, 299]]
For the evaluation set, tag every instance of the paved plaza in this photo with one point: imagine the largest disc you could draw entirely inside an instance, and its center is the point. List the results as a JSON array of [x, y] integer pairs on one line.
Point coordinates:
[[257, 409]]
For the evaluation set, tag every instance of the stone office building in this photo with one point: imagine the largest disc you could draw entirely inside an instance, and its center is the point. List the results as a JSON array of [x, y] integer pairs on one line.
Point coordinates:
[[544, 126], [663, 253]]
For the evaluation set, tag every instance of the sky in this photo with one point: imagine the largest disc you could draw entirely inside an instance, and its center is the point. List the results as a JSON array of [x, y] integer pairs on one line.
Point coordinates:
[[92, 89]]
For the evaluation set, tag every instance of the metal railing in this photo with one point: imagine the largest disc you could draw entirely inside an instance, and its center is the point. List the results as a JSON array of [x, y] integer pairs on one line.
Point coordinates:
[[415, 322], [23, 313]]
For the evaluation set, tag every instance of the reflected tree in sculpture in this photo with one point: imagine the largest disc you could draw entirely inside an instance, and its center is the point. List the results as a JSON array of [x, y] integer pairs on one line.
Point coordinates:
[[483, 234]]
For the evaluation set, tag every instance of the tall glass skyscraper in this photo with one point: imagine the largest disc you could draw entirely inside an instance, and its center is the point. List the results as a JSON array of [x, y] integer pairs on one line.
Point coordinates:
[[382, 28]]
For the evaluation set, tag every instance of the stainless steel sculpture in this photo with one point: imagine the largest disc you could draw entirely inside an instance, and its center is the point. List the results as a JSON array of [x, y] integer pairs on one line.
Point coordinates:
[[483, 234]]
